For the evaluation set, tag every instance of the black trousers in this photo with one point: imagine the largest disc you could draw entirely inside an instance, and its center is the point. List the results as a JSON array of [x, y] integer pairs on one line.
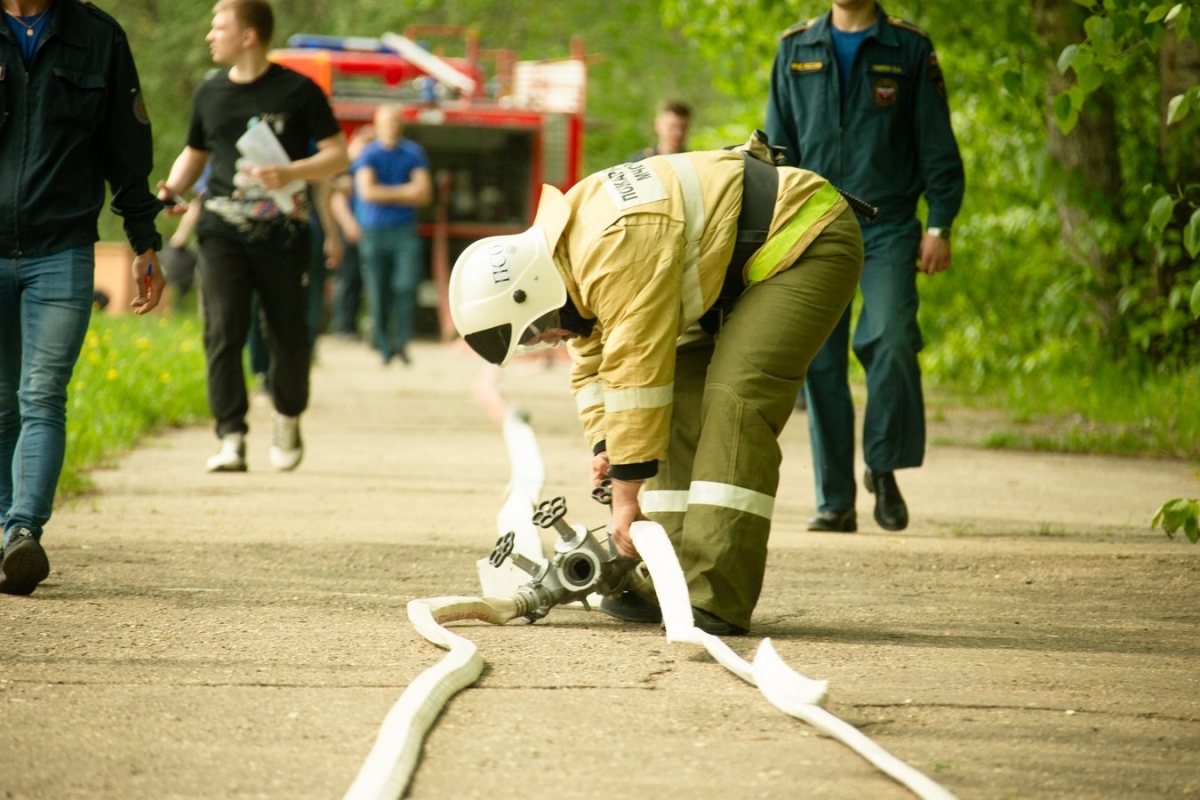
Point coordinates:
[[231, 271]]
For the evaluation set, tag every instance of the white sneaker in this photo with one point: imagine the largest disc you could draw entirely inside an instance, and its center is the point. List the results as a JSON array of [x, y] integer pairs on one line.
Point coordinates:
[[232, 455], [287, 449]]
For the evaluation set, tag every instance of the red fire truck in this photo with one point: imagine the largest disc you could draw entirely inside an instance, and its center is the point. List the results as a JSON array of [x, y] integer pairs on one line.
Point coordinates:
[[495, 129]]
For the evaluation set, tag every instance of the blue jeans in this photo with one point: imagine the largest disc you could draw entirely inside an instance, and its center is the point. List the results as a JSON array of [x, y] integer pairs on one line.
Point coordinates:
[[45, 305], [391, 265]]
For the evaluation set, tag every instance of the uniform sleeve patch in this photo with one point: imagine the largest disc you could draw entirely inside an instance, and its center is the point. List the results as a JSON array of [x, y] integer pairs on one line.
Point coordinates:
[[807, 66], [139, 108], [936, 77], [887, 69]]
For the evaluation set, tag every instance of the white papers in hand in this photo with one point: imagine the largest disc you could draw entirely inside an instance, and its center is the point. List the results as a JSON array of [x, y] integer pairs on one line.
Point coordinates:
[[261, 147]]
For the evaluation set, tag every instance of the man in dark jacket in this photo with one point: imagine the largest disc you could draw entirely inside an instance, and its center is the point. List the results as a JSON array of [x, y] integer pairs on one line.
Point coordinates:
[[71, 120]]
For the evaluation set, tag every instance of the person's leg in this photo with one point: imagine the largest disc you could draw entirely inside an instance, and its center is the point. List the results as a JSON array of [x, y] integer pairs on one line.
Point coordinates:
[[256, 345], [831, 420], [318, 273], [10, 380], [347, 292], [226, 288], [405, 280], [887, 341], [280, 277], [376, 274], [665, 496], [758, 366], [54, 307]]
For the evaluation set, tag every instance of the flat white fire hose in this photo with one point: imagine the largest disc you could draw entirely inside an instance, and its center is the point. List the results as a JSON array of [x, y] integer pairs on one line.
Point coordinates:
[[389, 767], [784, 688]]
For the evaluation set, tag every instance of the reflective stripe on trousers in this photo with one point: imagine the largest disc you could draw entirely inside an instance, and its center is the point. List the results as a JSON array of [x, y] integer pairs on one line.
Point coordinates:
[[733, 395]]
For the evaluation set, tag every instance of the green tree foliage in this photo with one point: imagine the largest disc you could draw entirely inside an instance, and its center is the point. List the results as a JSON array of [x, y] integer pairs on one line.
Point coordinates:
[[1074, 246], [1179, 514]]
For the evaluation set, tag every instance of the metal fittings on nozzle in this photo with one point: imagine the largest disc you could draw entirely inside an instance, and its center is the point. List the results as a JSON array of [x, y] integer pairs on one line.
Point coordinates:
[[581, 565]]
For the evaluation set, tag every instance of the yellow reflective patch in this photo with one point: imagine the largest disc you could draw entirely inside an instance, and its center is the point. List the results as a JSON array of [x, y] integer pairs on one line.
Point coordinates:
[[890, 69], [769, 256], [807, 66]]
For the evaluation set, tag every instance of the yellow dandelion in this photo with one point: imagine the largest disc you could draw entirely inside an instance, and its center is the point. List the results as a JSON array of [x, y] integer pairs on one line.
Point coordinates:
[[111, 375], [186, 346], [165, 377], [142, 343], [93, 358]]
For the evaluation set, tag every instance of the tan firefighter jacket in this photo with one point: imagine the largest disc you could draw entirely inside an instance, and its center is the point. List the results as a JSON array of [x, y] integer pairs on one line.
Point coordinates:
[[645, 254]]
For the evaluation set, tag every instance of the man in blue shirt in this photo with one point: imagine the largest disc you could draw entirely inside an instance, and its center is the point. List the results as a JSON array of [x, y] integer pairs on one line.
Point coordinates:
[[391, 178], [858, 96]]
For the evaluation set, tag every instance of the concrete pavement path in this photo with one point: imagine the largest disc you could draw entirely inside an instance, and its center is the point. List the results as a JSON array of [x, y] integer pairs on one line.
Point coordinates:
[[243, 636]]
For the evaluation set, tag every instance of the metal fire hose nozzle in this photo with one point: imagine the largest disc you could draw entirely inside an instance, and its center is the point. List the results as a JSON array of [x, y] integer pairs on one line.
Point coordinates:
[[582, 564]]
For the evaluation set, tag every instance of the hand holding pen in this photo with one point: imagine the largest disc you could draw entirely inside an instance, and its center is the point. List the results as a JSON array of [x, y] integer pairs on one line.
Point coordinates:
[[148, 278]]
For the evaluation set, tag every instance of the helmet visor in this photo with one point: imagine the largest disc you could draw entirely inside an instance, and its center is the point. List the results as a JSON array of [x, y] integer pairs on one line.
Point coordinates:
[[534, 339], [491, 343]]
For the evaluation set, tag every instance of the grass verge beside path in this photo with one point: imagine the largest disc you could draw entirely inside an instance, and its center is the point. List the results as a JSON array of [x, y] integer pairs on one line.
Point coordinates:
[[1113, 410], [134, 376]]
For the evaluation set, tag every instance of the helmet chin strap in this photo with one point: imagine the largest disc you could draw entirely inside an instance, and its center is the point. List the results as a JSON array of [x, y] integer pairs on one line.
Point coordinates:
[[573, 321]]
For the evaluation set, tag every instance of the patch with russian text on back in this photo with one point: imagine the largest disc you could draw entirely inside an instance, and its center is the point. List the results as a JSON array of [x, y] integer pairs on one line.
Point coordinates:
[[633, 184]]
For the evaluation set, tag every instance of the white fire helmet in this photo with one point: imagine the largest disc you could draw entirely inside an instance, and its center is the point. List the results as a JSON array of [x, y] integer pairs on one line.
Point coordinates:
[[505, 290]]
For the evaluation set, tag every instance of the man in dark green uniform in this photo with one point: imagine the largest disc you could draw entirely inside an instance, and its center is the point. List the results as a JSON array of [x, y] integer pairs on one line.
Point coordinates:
[[858, 96]]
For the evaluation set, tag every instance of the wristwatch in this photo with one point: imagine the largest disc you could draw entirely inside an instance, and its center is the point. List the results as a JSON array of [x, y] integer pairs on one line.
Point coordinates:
[[941, 233]]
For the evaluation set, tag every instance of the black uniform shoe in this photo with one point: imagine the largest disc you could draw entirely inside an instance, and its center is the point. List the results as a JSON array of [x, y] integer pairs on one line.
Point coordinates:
[[711, 623], [890, 510], [834, 521], [25, 564], [628, 607]]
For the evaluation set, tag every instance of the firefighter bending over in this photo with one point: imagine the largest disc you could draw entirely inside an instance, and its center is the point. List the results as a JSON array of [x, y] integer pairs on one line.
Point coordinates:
[[694, 289]]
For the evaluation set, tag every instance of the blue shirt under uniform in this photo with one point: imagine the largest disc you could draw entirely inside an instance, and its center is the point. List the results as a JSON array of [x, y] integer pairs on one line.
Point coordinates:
[[28, 31], [845, 47], [392, 168]]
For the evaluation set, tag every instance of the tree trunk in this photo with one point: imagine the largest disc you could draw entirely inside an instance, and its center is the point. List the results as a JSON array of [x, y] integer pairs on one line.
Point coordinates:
[[1087, 158]]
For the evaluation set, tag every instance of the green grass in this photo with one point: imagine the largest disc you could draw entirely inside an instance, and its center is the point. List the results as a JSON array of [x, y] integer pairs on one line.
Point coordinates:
[[134, 376], [1112, 409]]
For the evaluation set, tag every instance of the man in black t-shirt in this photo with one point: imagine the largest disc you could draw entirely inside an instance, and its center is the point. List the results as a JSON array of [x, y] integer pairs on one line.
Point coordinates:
[[253, 230]]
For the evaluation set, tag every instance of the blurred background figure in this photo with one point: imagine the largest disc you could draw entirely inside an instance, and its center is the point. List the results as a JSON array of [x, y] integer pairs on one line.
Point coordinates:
[[671, 125]]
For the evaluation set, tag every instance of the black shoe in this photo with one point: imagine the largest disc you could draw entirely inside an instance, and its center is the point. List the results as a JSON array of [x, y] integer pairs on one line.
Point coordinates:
[[891, 512], [834, 521], [25, 564], [711, 623], [628, 607]]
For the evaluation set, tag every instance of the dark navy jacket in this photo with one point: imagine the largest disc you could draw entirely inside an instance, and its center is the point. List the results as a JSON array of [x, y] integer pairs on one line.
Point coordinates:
[[890, 140], [74, 121]]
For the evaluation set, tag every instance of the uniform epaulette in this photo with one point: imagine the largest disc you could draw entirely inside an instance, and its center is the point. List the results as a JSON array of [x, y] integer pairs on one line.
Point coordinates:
[[803, 26], [906, 25], [102, 15]]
